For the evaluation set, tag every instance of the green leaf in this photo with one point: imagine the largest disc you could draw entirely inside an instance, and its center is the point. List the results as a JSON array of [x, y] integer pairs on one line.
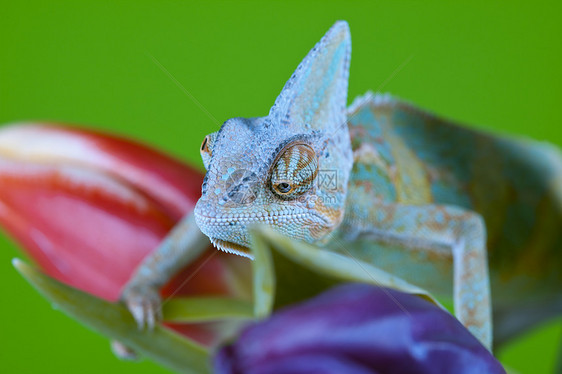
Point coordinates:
[[203, 309], [300, 270], [263, 278], [115, 321]]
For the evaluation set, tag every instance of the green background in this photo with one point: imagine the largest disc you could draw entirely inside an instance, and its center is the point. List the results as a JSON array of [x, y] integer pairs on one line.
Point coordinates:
[[492, 64]]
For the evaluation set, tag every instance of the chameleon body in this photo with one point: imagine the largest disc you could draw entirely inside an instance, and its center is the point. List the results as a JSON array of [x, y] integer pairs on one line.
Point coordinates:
[[383, 181], [431, 168]]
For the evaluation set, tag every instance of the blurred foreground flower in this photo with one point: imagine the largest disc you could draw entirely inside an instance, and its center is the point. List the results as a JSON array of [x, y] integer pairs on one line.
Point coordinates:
[[357, 329], [88, 207]]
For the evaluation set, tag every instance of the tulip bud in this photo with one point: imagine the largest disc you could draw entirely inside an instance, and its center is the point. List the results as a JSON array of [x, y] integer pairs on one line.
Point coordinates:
[[88, 207], [357, 329]]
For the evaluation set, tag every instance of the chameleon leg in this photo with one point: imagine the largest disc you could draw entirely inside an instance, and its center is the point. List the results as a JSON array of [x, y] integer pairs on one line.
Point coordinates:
[[141, 294], [436, 228]]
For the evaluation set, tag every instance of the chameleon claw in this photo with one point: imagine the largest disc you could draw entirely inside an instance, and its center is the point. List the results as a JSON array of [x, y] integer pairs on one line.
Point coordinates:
[[145, 306], [150, 316], [122, 351]]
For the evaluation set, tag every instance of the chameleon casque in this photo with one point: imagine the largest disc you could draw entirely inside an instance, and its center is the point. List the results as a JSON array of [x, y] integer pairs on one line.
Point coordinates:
[[430, 201]]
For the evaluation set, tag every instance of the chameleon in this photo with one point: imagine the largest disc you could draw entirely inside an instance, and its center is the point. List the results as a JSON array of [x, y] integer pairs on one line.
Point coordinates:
[[448, 208]]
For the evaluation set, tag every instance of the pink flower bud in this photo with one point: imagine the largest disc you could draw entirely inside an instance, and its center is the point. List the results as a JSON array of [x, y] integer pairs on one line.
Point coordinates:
[[87, 207]]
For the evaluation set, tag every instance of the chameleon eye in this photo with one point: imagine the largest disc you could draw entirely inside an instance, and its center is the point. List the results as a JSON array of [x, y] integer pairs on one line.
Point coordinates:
[[205, 145], [207, 149], [294, 171], [284, 187]]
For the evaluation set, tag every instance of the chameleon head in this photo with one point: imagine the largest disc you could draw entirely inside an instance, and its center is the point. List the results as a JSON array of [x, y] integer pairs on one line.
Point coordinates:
[[289, 169]]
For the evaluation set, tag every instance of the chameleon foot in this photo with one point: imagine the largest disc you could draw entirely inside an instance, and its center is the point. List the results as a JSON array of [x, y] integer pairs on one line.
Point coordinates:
[[145, 305], [122, 351]]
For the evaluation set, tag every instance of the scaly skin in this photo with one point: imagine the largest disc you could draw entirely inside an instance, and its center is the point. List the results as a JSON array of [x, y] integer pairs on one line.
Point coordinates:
[[387, 183], [405, 157]]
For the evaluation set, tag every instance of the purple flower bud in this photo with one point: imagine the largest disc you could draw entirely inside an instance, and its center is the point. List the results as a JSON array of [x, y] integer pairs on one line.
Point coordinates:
[[357, 329]]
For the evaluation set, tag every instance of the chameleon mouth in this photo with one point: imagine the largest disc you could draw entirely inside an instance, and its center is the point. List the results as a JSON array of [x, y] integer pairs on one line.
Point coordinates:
[[233, 248]]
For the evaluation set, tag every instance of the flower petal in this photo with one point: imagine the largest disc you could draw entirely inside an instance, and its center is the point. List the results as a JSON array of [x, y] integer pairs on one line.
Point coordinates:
[[358, 328], [171, 183], [88, 207], [82, 227]]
